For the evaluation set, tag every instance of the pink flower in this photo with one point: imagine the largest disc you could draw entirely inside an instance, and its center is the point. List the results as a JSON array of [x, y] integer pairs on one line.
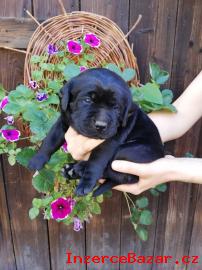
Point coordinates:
[[10, 119], [33, 84], [74, 47], [62, 207], [92, 40], [10, 134], [64, 147], [83, 68], [4, 102]]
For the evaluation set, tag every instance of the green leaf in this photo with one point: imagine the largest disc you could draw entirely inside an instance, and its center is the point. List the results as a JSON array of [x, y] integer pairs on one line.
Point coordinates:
[[107, 194], [128, 74], [33, 212], [44, 181], [12, 160], [24, 156], [54, 85], [12, 108], [145, 217], [37, 203], [95, 208], [58, 160], [53, 99], [169, 107], [59, 67], [35, 59], [154, 192], [158, 75], [89, 57], [47, 66], [37, 75], [161, 188], [46, 201], [142, 233], [99, 198], [71, 71], [167, 96], [114, 68], [2, 92], [151, 93], [22, 91], [135, 215], [142, 202]]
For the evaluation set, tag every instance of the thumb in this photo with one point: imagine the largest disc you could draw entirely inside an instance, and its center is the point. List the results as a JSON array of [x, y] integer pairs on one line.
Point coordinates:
[[128, 167]]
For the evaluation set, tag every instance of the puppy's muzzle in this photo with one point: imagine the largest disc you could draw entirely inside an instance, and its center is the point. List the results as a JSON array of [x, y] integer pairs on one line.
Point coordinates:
[[101, 125]]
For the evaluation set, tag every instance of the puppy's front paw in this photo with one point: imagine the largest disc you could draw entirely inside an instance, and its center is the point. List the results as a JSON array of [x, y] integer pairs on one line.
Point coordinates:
[[68, 171], [84, 188], [38, 161]]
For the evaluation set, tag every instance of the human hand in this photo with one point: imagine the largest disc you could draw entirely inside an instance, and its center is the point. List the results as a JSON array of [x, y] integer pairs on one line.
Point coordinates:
[[150, 174], [79, 146]]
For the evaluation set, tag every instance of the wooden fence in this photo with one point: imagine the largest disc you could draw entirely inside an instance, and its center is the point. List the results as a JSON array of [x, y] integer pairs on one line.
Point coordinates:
[[170, 34]]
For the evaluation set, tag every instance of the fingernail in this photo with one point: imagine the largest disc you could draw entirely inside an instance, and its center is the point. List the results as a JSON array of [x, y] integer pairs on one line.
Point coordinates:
[[115, 165]]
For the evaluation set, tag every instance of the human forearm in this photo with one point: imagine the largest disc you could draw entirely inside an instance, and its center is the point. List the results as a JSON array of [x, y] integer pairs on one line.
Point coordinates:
[[186, 170], [173, 125], [163, 170]]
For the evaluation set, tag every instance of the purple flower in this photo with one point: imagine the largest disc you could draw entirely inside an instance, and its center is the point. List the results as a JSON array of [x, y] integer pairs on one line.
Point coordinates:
[[10, 119], [62, 207], [41, 96], [52, 49], [10, 134], [83, 68], [64, 147], [92, 40], [77, 224], [4, 102], [33, 84], [74, 47]]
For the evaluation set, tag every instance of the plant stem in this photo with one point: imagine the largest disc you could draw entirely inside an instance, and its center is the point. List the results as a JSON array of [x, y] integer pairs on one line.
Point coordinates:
[[125, 194], [130, 200]]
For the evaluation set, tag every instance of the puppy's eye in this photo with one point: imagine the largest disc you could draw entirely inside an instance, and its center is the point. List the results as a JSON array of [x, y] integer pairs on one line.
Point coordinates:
[[87, 100]]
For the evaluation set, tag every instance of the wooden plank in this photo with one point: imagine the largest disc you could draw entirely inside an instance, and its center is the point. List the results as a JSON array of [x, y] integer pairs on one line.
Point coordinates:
[[62, 239], [175, 241], [15, 32], [117, 11], [13, 8], [103, 232], [7, 257], [49, 8], [29, 237], [150, 41]]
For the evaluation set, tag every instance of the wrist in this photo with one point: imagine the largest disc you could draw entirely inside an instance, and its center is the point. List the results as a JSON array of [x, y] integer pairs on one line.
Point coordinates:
[[185, 170]]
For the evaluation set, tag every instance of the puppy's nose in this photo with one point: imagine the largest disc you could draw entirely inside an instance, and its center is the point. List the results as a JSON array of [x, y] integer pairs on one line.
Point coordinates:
[[100, 125]]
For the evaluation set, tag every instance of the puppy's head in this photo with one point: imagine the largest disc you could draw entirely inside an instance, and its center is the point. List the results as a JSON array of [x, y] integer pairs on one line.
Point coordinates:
[[96, 102]]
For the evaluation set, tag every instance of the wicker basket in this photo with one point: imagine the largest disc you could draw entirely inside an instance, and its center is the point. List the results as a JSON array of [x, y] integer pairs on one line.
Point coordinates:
[[114, 46]]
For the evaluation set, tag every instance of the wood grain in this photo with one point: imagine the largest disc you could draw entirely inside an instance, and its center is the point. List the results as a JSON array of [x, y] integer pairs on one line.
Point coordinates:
[[7, 257], [175, 240], [49, 8], [16, 33]]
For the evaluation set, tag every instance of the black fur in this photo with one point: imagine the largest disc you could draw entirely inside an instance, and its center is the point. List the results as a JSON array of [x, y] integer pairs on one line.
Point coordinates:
[[98, 104]]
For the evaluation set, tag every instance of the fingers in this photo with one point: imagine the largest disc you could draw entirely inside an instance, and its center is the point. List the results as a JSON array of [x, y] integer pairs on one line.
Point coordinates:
[[128, 167], [86, 145]]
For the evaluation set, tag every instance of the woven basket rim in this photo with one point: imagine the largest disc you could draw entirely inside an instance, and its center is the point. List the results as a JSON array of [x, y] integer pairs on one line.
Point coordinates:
[[75, 14]]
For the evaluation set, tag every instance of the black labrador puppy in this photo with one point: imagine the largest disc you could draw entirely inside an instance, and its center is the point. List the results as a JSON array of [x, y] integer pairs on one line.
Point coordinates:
[[98, 104]]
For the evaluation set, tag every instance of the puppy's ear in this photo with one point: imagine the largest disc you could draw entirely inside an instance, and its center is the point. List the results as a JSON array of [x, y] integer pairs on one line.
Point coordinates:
[[128, 106], [64, 95]]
